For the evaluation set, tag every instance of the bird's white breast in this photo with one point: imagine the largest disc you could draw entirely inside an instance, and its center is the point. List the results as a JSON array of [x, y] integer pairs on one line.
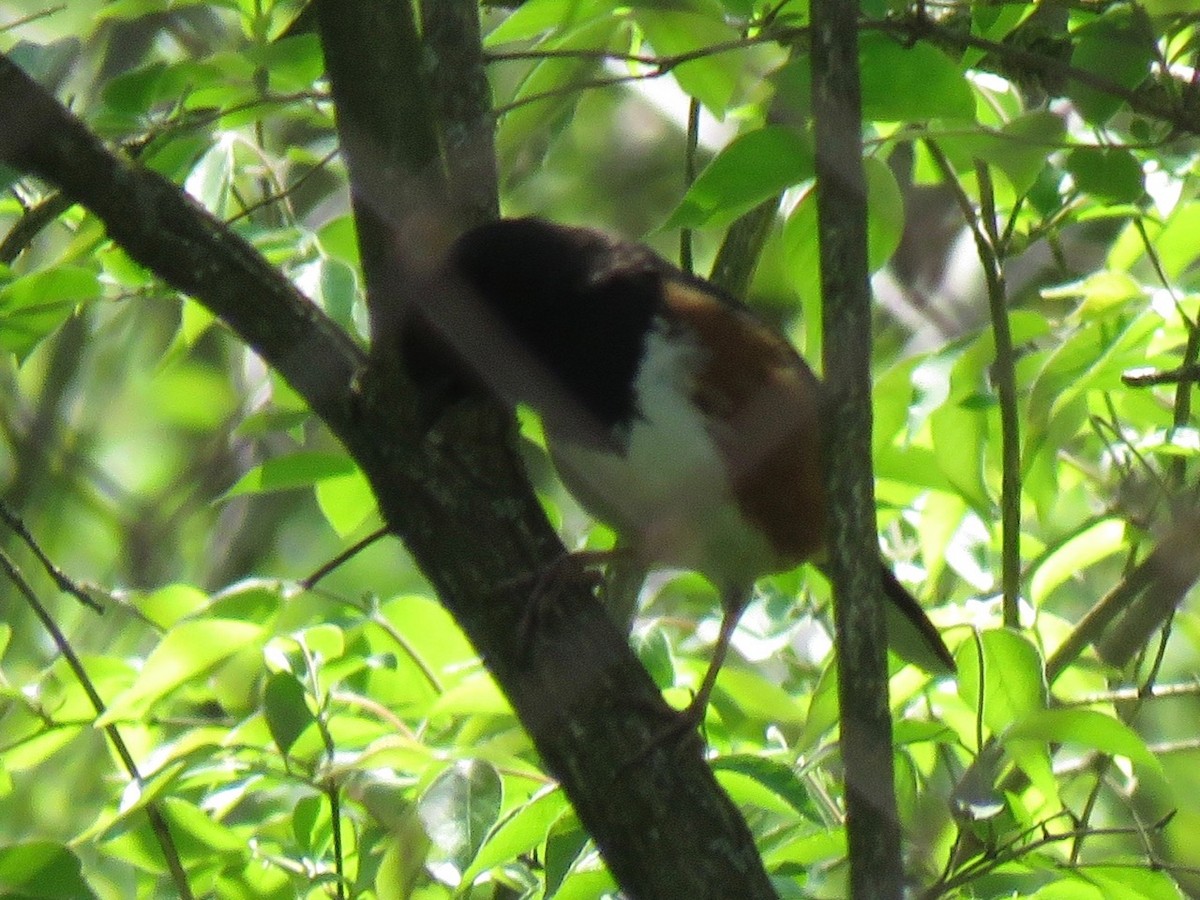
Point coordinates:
[[667, 489]]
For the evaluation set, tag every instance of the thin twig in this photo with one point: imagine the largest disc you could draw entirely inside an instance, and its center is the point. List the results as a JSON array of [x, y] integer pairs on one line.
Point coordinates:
[[65, 583], [158, 823], [349, 553], [1127, 694], [1150, 377], [32, 17], [982, 226]]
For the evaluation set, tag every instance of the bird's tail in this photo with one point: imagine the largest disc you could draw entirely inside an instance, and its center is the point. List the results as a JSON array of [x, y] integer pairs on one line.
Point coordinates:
[[911, 635]]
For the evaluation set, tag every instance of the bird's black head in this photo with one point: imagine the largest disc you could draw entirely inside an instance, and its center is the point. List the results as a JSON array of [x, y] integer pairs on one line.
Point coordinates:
[[576, 300]]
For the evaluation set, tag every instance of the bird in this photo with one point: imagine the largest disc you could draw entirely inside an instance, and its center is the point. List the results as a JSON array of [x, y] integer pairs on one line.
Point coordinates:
[[671, 412]]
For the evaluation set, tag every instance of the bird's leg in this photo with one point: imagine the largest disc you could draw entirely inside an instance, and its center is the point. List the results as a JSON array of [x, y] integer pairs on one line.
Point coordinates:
[[683, 724], [692, 715]]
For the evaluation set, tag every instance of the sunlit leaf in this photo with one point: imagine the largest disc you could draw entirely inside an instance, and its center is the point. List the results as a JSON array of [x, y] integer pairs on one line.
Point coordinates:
[[346, 501], [192, 396], [539, 17], [170, 603], [521, 832], [755, 166], [187, 651], [918, 82], [460, 808], [33, 305], [1086, 728], [777, 778], [711, 79], [1013, 682], [1100, 293], [1075, 556], [299, 470]]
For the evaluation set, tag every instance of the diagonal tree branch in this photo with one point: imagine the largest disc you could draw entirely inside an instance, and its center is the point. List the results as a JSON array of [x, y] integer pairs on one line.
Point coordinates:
[[461, 504], [170, 234]]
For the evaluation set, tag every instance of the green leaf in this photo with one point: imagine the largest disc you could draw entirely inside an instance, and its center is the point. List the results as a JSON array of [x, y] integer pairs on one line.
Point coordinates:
[[710, 79], [1094, 358], [293, 63], [1132, 878], [1075, 556], [346, 501], [286, 709], [430, 635], [1100, 293], [960, 435], [1175, 244], [477, 695], [212, 177], [545, 99], [523, 831], [1014, 684], [994, 22], [899, 84], [33, 305], [1087, 728], [324, 641], [1110, 174], [885, 213], [1019, 149], [187, 651], [286, 473], [402, 867], [779, 779], [459, 808], [540, 17], [952, 392], [171, 603], [134, 92], [755, 166], [1115, 48], [566, 844], [823, 709], [198, 834], [910, 84], [654, 651], [310, 820], [757, 696], [749, 793], [586, 884], [42, 869], [802, 257], [337, 290], [1070, 887]]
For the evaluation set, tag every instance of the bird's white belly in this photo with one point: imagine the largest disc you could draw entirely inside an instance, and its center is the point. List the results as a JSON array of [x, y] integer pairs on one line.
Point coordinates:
[[669, 492]]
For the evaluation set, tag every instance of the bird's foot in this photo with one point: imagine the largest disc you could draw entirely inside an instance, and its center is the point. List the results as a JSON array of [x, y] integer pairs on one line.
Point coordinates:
[[547, 585]]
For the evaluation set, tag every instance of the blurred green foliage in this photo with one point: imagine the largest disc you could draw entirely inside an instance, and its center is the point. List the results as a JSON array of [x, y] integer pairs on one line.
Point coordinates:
[[344, 739]]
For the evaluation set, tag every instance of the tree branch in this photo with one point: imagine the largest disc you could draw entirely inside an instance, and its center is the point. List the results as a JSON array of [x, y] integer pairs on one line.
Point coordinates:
[[461, 504], [872, 823]]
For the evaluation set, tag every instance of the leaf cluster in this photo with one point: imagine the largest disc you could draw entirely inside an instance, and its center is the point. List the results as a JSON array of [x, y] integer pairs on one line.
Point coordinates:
[[259, 734]]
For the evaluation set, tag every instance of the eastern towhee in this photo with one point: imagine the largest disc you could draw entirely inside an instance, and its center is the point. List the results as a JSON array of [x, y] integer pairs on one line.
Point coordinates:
[[670, 411]]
